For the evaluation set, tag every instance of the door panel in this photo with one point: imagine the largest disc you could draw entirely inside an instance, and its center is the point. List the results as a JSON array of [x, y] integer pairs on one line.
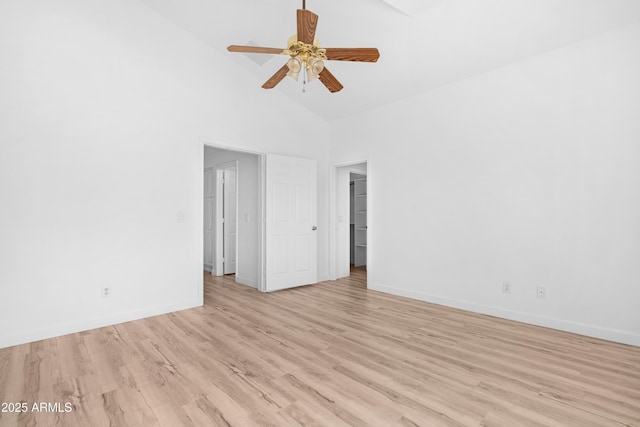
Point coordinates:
[[291, 206], [303, 252], [280, 245]]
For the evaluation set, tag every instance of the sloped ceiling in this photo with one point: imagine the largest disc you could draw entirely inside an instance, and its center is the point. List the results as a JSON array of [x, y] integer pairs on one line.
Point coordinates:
[[423, 44]]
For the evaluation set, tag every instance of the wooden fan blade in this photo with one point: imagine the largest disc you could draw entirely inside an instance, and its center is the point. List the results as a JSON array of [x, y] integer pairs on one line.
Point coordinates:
[[254, 49], [307, 23], [360, 54], [330, 81], [276, 78]]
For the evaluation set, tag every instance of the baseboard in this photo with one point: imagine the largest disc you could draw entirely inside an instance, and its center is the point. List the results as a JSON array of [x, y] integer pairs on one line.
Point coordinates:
[[594, 331], [71, 328], [246, 281]]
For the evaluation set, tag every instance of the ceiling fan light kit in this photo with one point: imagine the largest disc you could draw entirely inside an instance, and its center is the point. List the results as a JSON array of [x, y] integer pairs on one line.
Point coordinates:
[[307, 56]]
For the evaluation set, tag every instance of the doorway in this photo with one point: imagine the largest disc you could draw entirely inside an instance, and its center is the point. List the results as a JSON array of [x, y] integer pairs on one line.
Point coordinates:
[[233, 212], [275, 251], [358, 219], [350, 243]]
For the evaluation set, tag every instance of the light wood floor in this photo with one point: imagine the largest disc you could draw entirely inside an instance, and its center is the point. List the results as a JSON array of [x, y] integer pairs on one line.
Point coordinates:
[[330, 354]]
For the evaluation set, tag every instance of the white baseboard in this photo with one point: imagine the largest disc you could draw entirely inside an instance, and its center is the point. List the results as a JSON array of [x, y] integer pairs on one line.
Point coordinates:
[[594, 331], [85, 325]]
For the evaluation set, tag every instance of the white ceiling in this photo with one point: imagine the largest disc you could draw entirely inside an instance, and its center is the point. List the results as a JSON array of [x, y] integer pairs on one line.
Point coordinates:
[[423, 44]]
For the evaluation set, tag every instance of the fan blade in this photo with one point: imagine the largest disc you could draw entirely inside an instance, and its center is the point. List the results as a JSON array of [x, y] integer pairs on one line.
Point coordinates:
[[307, 22], [276, 78], [330, 81], [254, 49], [363, 54]]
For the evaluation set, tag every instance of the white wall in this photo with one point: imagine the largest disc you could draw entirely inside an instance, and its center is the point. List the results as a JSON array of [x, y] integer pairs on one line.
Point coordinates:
[[248, 262], [529, 174], [103, 107]]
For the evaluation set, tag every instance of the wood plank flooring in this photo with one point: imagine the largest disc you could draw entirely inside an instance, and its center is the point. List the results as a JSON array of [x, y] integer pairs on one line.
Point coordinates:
[[332, 354]]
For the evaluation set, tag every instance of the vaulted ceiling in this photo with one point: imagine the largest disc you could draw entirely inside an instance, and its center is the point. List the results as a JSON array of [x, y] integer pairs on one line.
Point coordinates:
[[423, 44]]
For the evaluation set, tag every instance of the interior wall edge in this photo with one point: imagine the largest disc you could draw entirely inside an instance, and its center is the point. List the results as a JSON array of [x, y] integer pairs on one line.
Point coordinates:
[[593, 331]]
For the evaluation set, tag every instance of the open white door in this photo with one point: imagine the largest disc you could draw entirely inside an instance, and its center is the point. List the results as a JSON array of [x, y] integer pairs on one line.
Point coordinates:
[[291, 236], [230, 224], [209, 219], [226, 221]]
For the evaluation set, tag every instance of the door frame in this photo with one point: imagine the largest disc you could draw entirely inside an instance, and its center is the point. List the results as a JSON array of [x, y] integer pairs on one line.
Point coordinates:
[[219, 215], [214, 143], [333, 214]]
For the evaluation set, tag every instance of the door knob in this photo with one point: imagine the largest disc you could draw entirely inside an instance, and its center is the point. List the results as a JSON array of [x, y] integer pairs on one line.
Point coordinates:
[[314, 228]]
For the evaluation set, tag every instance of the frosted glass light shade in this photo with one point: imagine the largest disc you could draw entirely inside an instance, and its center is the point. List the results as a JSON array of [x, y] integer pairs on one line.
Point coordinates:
[[294, 65], [314, 69]]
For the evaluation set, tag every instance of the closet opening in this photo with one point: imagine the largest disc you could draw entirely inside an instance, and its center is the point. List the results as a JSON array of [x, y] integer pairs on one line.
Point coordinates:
[[351, 203], [358, 220]]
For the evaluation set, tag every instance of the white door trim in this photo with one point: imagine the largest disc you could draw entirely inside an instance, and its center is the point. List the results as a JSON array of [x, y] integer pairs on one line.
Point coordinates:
[[210, 142], [333, 221]]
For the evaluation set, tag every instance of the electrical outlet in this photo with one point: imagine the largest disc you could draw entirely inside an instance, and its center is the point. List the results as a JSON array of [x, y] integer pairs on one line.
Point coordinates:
[[542, 292], [506, 287], [106, 292]]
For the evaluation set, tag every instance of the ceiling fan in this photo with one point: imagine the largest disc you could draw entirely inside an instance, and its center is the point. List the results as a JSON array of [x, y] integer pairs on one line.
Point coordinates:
[[307, 56]]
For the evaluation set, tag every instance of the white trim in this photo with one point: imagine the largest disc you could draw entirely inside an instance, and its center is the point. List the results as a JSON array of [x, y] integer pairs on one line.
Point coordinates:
[[203, 142], [111, 320], [615, 335], [214, 143]]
